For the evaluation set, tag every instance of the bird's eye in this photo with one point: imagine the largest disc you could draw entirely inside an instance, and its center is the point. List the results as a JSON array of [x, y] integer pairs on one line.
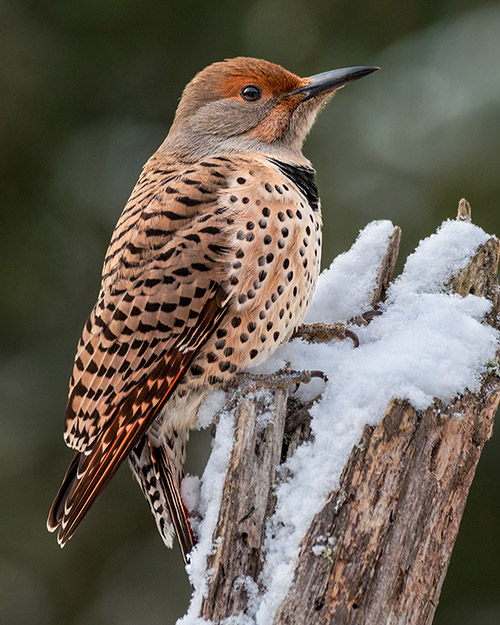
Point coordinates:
[[251, 93]]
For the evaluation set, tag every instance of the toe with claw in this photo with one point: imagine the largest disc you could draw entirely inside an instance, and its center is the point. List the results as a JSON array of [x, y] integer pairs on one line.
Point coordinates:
[[245, 383], [326, 331], [365, 318], [313, 332]]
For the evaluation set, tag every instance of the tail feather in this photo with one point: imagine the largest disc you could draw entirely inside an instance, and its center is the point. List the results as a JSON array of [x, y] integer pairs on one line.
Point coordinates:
[[92, 475], [64, 493], [159, 480], [85, 479], [176, 507]]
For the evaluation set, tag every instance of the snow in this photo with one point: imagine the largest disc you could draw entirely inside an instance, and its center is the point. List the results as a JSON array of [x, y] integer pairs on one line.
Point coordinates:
[[343, 290], [318, 550], [265, 416], [429, 343], [212, 403], [191, 491]]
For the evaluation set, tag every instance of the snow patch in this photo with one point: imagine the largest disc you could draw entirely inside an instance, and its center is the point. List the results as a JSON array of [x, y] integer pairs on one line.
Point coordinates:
[[191, 492], [344, 288], [265, 416], [211, 404]]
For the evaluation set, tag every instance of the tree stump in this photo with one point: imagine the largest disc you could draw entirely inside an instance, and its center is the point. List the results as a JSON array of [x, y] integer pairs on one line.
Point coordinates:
[[379, 549]]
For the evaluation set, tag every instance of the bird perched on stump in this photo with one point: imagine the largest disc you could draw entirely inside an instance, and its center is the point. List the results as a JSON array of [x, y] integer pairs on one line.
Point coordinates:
[[212, 265]]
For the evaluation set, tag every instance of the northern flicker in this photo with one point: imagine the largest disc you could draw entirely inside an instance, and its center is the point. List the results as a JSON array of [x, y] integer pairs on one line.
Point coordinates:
[[211, 266]]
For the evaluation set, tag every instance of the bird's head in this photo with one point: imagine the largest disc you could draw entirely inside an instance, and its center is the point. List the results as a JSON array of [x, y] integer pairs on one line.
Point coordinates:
[[251, 105]]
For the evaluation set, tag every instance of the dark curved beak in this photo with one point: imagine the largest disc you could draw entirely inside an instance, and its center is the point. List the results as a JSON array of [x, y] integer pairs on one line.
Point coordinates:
[[331, 81]]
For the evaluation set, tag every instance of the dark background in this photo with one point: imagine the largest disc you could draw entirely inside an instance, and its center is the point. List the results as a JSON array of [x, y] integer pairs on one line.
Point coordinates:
[[88, 90]]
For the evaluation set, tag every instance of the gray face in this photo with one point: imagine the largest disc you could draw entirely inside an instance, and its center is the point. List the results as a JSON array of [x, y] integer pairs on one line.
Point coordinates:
[[226, 126], [229, 117], [214, 117]]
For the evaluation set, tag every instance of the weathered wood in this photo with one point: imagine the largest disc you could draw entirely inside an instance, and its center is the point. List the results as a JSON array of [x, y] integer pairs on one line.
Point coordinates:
[[247, 499], [386, 270], [385, 536], [379, 549]]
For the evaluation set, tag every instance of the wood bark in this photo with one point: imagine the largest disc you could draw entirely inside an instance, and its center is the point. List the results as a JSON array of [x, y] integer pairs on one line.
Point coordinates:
[[388, 530]]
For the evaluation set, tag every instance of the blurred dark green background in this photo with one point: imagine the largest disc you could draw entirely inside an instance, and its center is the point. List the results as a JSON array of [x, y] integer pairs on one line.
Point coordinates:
[[88, 91]]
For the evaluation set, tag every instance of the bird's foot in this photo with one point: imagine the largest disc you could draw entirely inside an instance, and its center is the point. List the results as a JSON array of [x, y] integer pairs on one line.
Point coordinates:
[[324, 332], [245, 383], [327, 331]]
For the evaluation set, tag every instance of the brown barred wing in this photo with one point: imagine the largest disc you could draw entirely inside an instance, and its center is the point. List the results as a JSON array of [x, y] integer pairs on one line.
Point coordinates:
[[167, 199], [132, 327], [90, 472]]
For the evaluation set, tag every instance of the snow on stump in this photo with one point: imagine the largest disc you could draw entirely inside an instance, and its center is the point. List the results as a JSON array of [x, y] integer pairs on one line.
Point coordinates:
[[341, 503]]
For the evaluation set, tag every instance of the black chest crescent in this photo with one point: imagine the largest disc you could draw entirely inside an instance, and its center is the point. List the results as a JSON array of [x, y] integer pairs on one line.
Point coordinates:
[[304, 178]]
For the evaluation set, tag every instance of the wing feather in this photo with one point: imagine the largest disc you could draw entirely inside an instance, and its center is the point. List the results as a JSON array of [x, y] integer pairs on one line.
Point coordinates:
[[90, 472]]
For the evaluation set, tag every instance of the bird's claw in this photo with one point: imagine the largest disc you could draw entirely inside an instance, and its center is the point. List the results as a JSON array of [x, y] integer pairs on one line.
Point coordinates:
[[245, 383], [353, 336], [316, 373]]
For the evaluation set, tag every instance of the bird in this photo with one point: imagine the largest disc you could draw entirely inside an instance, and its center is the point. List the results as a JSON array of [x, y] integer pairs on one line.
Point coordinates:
[[211, 266]]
